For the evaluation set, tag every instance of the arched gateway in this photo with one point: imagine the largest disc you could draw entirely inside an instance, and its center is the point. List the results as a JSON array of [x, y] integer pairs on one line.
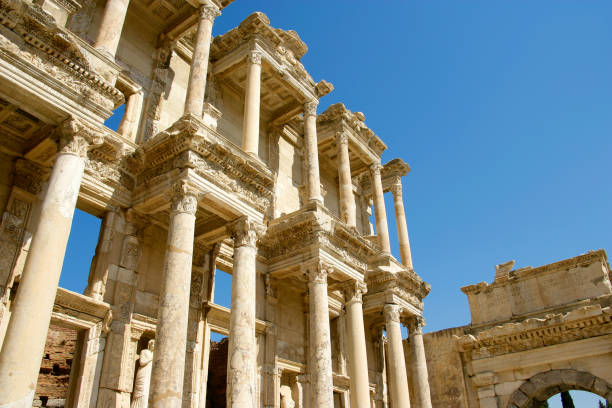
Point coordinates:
[[542, 386]]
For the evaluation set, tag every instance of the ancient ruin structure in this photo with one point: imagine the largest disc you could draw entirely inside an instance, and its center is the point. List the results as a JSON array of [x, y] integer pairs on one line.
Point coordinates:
[[220, 162], [535, 332]]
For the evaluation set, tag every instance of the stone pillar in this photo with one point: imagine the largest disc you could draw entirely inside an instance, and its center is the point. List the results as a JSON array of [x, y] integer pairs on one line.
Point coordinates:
[[382, 230], [128, 127], [402, 227], [250, 125], [398, 379], [25, 338], [313, 182], [358, 361], [172, 316], [321, 383], [242, 351], [347, 198], [111, 26], [419, 363], [199, 63]]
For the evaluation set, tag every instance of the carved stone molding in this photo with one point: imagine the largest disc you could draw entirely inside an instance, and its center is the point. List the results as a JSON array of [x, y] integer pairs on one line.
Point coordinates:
[[392, 313], [310, 108], [29, 176], [209, 12], [254, 57], [354, 291], [184, 198], [245, 232]]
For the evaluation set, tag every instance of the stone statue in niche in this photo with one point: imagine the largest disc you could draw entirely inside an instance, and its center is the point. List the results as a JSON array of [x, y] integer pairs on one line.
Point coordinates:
[[286, 398], [140, 396]]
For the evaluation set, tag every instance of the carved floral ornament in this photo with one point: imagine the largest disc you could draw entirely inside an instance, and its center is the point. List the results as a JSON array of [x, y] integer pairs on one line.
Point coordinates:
[[184, 198], [375, 169], [342, 138], [415, 324], [317, 272], [245, 232]]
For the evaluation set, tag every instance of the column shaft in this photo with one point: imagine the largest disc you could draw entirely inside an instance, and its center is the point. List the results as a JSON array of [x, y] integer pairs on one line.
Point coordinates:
[[382, 230], [402, 227], [172, 316], [199, 63], [347, 198], [358, 361], [250, 127], [398, 379], [111, 26], [241, 361], [26, 333], [320, 342], [419, 364], [313, 180]]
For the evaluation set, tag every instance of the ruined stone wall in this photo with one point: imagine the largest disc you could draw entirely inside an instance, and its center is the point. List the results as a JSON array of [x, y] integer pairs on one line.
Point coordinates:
[[445, 368], [217, 374], [54, 377]]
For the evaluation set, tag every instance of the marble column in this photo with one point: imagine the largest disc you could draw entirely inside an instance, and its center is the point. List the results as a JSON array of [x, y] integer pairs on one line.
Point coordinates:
[[199, 62], [311, 148], [250, 125], [402, 227], [173, 312], [347, 198], [382, 230], [26, 333], [320, 369], [128, 127], [111, 26], [398, 379], [358, 361], [419, 363], [242, 352]]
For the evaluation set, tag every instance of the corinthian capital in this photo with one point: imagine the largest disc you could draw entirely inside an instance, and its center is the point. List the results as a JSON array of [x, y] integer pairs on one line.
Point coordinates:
[[209, 11], [184, 198], [415, 324], [392, 313], [310, 108], [76, 137], [396, 188], [245, 232], [254, 57], [375, 169], [317, 272], [341, 138], [354, 291]]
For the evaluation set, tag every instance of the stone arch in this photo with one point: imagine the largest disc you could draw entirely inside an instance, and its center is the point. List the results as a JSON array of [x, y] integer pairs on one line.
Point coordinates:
[[544, 385]]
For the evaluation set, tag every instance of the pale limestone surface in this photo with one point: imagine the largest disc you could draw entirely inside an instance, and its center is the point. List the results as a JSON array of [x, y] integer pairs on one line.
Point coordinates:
[[220, 162], [531, 337]]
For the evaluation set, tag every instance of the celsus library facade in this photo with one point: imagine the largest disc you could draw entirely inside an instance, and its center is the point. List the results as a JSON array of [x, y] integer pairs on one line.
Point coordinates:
[[222, 162]]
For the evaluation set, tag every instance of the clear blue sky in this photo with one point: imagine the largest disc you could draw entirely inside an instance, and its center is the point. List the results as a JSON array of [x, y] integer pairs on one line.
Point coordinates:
[[502, 108]]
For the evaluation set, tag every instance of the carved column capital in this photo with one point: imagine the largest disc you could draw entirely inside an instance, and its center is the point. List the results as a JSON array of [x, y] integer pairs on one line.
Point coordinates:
[[342, 138], [77, 138], [396, 188], [354, 291], [184, 198], [317, 272], [245, 232], [415, 324], [209, 12], [254, 57], [29, 176], [375, 169], [392, 313], [310, 108]]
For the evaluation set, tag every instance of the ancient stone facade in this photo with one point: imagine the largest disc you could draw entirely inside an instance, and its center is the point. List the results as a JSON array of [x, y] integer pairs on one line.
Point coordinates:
[[221, 161], [534, 333]]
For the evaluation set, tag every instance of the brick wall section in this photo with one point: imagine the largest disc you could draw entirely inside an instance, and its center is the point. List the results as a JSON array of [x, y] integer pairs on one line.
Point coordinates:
[[52, 387], [217, 374]]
